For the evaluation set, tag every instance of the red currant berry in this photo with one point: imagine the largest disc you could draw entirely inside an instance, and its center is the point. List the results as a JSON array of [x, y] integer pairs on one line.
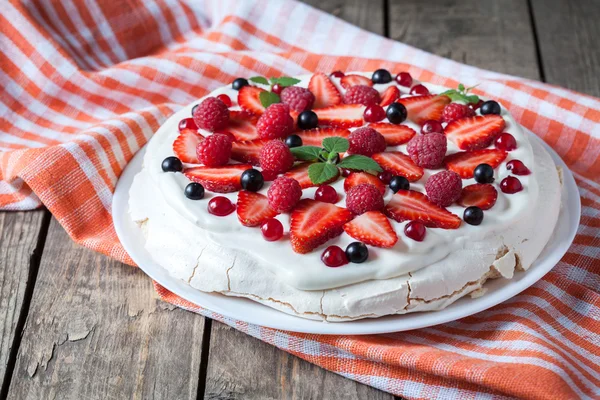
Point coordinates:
[[187, 123], [404, 79], [415, 230], [334, 256], [432, 126], [345, 172], [517, 167], [272, 230], [220, 206], [477, 105], [419, 90], [511, 185], [385, 177], [326, 194], [225, 99], [506, 142], [374, 113], [276, 88], [337, 74]]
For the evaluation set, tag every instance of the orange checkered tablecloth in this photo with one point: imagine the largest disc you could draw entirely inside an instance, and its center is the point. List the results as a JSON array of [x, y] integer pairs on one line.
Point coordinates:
[[86, 84]]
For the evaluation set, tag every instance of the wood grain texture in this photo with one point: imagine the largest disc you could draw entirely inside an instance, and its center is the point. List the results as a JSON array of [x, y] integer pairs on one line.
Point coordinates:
[[568, 35], [369, 15], [97, 330], [490, 34]]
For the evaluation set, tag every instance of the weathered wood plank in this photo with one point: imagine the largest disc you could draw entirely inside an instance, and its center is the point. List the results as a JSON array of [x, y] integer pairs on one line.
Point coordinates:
[[569, 41], [368, 15], [96, 329]]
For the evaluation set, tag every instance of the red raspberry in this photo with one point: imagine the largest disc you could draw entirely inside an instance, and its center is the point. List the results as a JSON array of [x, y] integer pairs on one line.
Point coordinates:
[[214, 150], [364, 197], [361, 94], [444, 188], [276, 122], [284, 194], [428, 151], [299, 99], [366, 141], [276, 157], [454, 111], [212, 114]]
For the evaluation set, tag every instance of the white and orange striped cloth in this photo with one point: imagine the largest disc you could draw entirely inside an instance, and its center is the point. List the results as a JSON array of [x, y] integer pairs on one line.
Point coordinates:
[[85, 85]]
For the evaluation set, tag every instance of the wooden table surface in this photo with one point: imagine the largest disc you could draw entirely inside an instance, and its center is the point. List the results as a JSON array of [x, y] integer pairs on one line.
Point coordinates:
[[78, 325]]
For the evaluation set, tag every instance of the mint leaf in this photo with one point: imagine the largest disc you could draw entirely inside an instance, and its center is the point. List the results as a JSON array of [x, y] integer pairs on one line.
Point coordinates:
[[285, 81], [360, 163], [306, 153], [336, 144], [259, 79], [268, 98], [322, 172], [462, 94], [461, 87]]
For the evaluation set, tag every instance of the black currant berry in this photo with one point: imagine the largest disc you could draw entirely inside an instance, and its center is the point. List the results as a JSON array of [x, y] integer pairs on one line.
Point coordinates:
[[381, 76], [490, 107], [239, 83], [172, 164], [473, 215], [293, 141], [308, 120], [396, 113], [357, 252], [484, 173], [399, 183], [252, 180], [194, 191]]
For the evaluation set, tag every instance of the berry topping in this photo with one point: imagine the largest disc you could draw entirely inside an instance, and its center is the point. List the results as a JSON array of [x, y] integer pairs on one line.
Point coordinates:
[[277, 88], [326, 194], [372, 228], [356, 178], [314, 137], [194, 109], [348, 81], [385, 177], [454, 111], [366, 141], [364, 197], [394, 135], [475, 132], [337, 74], [400, 164], [511, 185], [247, 151], [325, 92], [220, 206], [408, 205], [334, 257], [374, 113], [187, 123], [476, 106], [481, 195], [465, 162], [225, 99], [253, 208], [185, 145], [341, 116], [490, 107], [415, 230], [284, 194], [242, 125], [276, 157], [194, 191], [419, 90], [361, 94], [297, 98], [357, 252], [443, 188], [300, 173], [505, 141], [224, 179], [484, 173], [172, 164], [212, 114], [272, 230], [214, 150], [404, 79], [517, 167], [396, 113], [399, 183], [432, 126], [473, 215], [345, 172], [381, 76], [428, 151], [293, 141], [423, 108], [390, 95], [249, 99], [308, 120], [275, 123], [239, 83], [252, 180]]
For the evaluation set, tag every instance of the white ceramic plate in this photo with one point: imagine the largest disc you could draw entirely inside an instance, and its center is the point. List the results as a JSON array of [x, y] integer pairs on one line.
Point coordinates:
[[498, 290]]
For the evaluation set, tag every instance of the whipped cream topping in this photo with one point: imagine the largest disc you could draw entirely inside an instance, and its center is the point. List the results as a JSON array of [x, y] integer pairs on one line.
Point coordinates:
[[306, 271]]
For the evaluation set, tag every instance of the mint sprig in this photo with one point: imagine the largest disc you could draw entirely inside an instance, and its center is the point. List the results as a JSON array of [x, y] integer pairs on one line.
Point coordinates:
[[259, 79], [462, 94], [284, 81]]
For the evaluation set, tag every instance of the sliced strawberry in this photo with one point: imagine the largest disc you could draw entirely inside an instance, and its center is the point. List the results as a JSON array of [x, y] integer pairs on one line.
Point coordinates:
[[313, 223], [253, 208], [314, 137], [475, 133], [247, 151], [482, 195], [242, 125], [408, 205], [389, 96], [465, 162], [184, 146], [423, 108], [372, 228], [400, 164], [341, 116], [394, 134], [352, 80], [300, 173], [356, 178], [248, 99], [225, 179], [326, 94]]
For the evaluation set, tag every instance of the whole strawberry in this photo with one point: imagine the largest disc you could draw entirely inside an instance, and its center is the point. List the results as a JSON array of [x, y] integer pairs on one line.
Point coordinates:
[[361, 94], [275, 123], [214, 150], [212, 114], [428, 151], [454, 111], [444, 188], [366, 141], [276, 157], [284, 194], [297, 98]]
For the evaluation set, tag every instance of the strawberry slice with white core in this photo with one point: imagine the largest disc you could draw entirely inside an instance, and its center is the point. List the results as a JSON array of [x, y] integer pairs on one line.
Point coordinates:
[[481, 195], [352, 80], [300, 173], [372, 228], [397, 163], [185, 145], [423, 108], [475, 133], [242, 125], [247, 151], [465, 162], [225, 179], [393, 134], [314, 137], [313, 223], [325, 92], [253, 208], [390, 95], [409, 205], [356, 178], [341, 116], [249, 100]]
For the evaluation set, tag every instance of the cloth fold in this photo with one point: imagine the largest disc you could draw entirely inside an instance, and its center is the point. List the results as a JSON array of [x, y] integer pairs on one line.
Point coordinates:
[[86, 84]]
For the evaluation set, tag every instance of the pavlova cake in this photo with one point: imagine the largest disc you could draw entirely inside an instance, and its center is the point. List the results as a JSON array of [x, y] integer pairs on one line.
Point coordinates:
[[344, 196]]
